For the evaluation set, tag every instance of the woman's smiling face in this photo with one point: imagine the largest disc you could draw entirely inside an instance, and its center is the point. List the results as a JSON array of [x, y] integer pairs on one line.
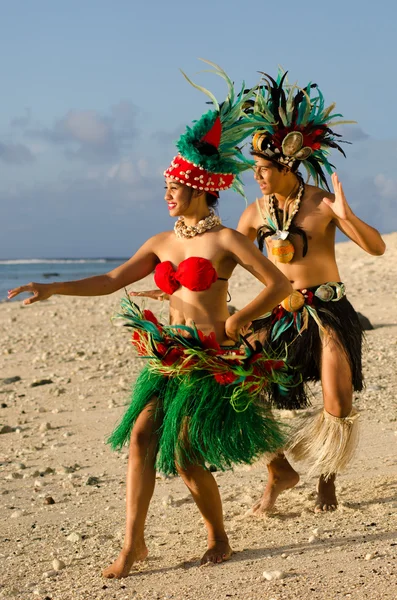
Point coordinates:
[[177, 196]]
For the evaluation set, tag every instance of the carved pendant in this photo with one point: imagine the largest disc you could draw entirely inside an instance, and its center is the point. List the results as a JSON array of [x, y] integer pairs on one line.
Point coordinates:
[[282, 250]]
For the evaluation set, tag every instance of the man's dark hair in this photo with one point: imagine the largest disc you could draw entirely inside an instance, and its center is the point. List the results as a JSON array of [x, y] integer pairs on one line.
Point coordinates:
[[279, 166]]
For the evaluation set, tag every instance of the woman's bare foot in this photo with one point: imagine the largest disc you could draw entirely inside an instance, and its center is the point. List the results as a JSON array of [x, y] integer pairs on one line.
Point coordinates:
[[281, 477], [123, 563], [326, 495], [218, 551]]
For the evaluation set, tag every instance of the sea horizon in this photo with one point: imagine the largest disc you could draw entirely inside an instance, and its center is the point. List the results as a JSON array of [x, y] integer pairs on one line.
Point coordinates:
[[19, 271], [60, 259]]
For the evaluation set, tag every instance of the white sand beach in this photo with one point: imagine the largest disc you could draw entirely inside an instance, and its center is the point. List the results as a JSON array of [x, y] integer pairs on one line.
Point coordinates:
[[53, 445]]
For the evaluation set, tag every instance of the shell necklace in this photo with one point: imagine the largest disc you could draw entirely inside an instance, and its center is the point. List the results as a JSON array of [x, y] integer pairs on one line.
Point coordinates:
[[187, 231], [282, 249]]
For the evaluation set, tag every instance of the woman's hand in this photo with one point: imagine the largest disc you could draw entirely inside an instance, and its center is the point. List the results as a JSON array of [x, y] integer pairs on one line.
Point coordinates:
[[234, 328], [40, 291], [153, 294]]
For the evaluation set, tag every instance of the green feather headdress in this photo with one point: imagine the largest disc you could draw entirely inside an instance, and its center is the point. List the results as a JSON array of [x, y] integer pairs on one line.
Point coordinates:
[[209, 150], [293, 126]]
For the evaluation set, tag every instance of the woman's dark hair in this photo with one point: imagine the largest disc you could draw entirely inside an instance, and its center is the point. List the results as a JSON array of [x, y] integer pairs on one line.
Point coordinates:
[[212, 200]]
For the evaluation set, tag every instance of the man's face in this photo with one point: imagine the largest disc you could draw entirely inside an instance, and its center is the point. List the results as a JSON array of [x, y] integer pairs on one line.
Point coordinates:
[[269, 178]]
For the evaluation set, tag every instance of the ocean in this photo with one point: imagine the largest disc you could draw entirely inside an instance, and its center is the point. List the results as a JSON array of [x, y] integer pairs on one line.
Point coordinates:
[[43, 270]]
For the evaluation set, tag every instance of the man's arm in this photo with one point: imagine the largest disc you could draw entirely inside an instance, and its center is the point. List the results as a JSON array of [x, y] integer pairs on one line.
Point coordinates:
[[365, 236], [249, 222]]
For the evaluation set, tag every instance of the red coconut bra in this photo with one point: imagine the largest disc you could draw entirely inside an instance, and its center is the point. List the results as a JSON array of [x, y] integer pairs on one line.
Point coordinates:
[[194, 273]]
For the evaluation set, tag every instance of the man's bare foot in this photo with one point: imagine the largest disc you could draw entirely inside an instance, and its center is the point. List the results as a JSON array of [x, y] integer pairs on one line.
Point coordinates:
[[326, 495], [218, 551], [281, 477], [123, 563]]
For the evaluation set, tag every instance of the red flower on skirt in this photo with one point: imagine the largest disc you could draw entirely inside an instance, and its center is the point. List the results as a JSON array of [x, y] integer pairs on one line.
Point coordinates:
[[278, 313], [309, 298], [209, 341], [255, 357], [172, 356], [256, 383], [273, 365], [190, 363], [149, 316], [225, 378], [137, 341], [161, 349]]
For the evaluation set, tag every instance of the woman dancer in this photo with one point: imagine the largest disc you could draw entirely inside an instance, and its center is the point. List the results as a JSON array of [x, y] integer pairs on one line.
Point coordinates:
[[194, 403]]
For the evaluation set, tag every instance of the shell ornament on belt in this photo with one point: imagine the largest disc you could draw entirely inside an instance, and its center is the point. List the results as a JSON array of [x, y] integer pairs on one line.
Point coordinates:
[[331, 291], [293, 302]]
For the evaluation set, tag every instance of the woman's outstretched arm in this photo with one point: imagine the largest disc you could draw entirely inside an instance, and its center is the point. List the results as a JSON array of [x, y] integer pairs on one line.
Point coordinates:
[[139, 266]]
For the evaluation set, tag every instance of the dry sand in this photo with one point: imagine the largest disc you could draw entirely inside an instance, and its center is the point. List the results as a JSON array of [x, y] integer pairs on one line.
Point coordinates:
[[56, 448]]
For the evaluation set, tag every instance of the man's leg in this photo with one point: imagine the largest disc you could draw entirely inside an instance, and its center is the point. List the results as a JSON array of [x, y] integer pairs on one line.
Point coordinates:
[[281, 477], [141, 477], [336, 381]]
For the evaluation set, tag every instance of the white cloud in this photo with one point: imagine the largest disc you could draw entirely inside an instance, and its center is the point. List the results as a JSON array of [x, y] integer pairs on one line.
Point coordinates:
[[386, 186], [352, 133], [85, 126], [88, 135], [125, 172]]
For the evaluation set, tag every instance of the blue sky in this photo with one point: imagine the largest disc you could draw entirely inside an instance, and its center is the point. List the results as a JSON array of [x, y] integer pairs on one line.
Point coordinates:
[[92, 100]]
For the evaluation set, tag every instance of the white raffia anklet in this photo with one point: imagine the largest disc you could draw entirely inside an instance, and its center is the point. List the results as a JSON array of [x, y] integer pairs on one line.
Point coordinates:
[[328, 442]]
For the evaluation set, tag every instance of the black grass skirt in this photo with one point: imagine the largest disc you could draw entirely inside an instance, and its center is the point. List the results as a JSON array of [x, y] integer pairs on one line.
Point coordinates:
[[282, 328]]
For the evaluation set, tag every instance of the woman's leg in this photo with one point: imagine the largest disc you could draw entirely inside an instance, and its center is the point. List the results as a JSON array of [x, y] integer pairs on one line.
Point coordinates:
[[336, 381], [205, 492], [141, 476]]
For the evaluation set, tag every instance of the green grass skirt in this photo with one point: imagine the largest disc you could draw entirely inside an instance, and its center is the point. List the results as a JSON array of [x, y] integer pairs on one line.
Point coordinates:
[[199, 424]]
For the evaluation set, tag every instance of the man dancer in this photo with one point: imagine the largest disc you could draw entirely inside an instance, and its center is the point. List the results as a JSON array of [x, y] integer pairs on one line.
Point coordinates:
[[298, 224]]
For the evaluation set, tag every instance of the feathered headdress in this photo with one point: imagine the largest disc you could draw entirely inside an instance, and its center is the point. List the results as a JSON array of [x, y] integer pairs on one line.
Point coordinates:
[[293, 127], [209, 158]]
